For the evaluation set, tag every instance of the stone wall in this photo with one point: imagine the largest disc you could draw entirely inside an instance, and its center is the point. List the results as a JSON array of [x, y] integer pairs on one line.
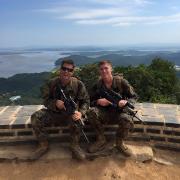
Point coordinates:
[[161, 125]]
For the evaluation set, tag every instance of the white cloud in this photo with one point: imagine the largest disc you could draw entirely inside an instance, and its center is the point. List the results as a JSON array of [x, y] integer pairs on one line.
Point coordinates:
[[143, 2], [97, 13], [132, 20], [116, 2], [81, 6], [123, 24], [164, 19], [120, 13]]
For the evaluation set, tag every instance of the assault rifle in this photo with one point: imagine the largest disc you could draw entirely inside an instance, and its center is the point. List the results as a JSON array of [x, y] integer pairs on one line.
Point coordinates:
[[114, 98], [71, 107]]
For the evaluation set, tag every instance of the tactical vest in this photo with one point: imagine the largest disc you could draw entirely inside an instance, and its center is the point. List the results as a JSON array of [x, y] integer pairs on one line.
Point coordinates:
[[117, 86], [56, 81]]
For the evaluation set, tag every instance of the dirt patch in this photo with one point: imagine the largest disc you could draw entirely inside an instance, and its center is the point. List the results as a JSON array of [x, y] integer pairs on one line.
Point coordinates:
[[106, 168]]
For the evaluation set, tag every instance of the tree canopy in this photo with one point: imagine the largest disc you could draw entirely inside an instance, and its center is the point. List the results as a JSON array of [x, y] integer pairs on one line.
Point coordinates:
[[157, 82]]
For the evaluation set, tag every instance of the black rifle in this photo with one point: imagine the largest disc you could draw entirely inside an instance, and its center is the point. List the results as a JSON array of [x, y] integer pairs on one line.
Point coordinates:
[[71, 107], [114, 98]]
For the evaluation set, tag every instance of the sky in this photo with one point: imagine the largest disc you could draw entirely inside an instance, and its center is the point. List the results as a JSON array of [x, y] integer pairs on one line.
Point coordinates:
[[58, 23]]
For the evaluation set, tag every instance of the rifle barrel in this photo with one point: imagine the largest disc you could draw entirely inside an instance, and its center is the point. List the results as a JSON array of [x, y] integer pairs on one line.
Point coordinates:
[[85, 136], [73, 106]]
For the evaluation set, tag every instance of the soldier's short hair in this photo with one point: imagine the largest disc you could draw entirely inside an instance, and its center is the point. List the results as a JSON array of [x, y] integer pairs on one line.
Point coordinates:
[[68, 61], [104, 62]]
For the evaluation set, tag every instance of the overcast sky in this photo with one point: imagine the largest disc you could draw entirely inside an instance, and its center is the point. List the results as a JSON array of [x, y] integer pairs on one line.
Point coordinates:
[[88, 22]]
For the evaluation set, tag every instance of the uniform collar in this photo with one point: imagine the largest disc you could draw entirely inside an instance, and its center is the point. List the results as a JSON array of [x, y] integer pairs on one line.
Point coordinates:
[[68, 86], [113, 82]]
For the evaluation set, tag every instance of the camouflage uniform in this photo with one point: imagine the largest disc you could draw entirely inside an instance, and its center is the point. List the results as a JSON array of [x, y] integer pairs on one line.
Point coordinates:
[[98, 116], [52, 115]]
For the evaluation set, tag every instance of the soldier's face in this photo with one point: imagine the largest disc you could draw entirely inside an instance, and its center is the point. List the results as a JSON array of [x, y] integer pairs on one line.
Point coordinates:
[[66, 71], [105, 71]]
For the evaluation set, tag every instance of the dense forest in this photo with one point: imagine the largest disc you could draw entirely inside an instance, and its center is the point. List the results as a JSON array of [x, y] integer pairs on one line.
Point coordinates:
[[157, 82]]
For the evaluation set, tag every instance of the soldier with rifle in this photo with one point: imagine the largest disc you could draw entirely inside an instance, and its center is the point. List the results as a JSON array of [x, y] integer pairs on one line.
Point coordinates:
[[111, 99], [66, 101]]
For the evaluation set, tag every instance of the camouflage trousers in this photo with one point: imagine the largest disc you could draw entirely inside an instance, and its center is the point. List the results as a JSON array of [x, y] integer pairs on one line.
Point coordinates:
[[98, 118], [45, 118]]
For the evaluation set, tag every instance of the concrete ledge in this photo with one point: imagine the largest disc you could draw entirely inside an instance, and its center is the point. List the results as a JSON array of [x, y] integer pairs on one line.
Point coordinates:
[[162, 125]]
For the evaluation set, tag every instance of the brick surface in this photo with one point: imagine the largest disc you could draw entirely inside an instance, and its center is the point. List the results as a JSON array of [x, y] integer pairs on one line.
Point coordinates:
[[20, 120], [1, 108], [148, 105], [172, 119], [153, 120], [162, 124], [150, 112]]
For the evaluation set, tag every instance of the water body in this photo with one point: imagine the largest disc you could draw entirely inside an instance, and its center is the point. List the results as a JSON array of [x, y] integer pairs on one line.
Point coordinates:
[[35, 61], [28, 62]]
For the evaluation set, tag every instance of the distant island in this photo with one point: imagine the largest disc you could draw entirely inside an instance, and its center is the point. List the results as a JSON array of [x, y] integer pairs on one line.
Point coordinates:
[[121, 58]]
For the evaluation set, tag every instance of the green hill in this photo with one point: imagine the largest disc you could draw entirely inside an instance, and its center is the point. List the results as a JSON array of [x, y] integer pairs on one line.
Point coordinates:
[[25, 85], [121, 58], [156, 82]]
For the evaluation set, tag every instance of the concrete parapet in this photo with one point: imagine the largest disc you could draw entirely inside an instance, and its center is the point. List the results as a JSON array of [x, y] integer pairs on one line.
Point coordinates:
[[161, 125]]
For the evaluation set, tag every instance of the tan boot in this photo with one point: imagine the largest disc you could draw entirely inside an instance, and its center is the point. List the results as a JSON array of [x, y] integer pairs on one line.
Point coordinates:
[[41, 150], [77, 152], [98, 145], [123, 148]]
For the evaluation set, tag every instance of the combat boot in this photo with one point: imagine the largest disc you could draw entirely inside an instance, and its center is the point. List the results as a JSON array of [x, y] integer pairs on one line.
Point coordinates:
[[98, 145], [123, 148], [41, 150], [77, 152]]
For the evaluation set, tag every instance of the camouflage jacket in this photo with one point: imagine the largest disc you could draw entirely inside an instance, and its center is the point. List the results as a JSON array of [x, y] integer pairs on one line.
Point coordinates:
[[75, 89], [119, 85]]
